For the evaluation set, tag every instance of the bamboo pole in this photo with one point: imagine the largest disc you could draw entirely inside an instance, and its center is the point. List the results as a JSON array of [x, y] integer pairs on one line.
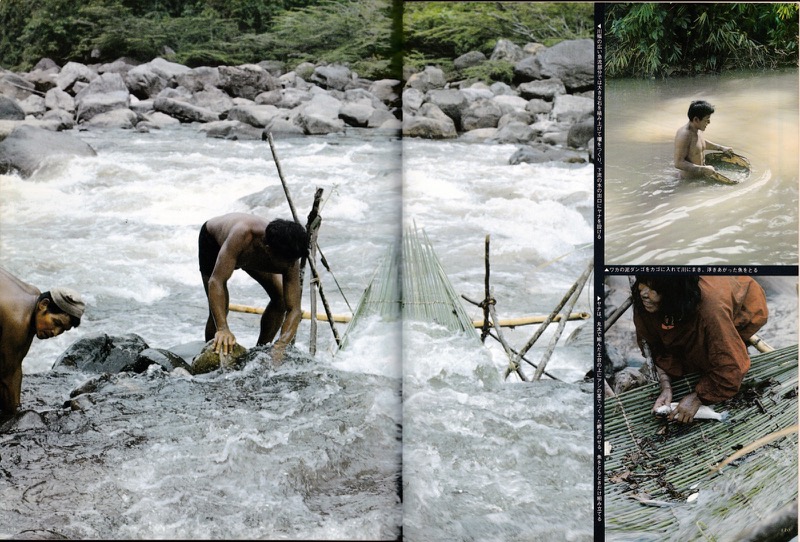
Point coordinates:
[[555, 312], [755, 445], [311, 263], [562, 324], [523, 358], [345, 318], [614, 316]]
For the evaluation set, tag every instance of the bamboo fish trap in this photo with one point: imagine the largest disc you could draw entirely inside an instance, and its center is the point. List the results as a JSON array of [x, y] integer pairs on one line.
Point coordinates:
[[653, 468]]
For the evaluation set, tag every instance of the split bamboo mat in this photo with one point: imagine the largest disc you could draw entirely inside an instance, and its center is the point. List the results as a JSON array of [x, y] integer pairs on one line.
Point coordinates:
[[654, 468]]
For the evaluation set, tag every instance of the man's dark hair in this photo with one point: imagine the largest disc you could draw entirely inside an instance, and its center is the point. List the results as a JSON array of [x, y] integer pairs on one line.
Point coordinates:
[[680, 294], [288, 238], [53, 308], [699, 109]]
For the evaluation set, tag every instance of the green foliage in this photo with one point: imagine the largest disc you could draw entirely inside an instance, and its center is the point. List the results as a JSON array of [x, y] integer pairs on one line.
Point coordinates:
[[656, 39], [491, 71], [356, 33], [450, 29]]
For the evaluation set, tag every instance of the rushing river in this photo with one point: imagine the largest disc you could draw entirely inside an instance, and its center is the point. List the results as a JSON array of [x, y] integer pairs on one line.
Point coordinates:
[[414, 432], [652, 217]]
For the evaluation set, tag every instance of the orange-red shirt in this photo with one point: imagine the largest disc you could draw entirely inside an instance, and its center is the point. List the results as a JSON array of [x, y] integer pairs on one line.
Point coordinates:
[[711, 342]]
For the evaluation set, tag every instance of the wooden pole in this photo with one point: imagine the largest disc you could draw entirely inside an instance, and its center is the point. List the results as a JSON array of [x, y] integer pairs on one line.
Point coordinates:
[[555, 312], [311, 263], [486, 295], [312, 226], [551, 347], [614, 316]]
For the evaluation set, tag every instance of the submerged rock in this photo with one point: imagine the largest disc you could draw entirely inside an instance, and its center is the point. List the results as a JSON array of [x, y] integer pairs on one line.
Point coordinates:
[[208, 360], [101, 353]]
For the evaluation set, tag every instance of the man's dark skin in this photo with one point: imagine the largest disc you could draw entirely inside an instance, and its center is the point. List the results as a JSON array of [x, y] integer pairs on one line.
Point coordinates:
[[22, 317], [242, 246]]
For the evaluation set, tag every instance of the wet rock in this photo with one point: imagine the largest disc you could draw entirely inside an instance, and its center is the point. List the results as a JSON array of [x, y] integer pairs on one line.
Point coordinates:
[[102, 353], [24, 420], [627, 379], [208, 360], [11, 109], [159, 356], [39, 534], [27, 148]]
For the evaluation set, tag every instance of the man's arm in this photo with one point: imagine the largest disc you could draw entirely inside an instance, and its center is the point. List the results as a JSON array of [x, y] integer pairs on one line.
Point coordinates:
[[292, 300], [224, 340], [711, 146]]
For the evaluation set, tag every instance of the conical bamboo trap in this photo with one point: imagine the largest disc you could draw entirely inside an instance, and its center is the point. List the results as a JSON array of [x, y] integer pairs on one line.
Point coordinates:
[[414, 286], [653, 467], [428, 295]]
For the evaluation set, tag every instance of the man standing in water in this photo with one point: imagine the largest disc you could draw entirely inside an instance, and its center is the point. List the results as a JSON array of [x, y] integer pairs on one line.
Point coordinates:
[[270, 253], [690, 143], [25, 312]]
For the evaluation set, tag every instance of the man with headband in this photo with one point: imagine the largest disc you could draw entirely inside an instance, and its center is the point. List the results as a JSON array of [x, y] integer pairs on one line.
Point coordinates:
[[26, 312]]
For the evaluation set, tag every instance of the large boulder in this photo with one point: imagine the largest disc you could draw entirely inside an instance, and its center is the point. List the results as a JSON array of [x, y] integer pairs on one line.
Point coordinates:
[[428, 79], [572, 61], [333, 77], [452, 102], [245, 81], [546, 89], [183, 111], [15, 87], [101, 353], [506, 50], [74, 73], [27, 148], [10, 109], [481, 114], [467, 60], [105, 93]]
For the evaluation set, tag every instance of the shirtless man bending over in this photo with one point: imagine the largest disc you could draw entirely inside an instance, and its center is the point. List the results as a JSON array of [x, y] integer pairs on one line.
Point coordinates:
[[25, 313], [690, 143], [270, 253]]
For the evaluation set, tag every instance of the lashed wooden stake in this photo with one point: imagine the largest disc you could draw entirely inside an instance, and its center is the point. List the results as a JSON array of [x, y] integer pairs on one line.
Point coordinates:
[[311, 263]]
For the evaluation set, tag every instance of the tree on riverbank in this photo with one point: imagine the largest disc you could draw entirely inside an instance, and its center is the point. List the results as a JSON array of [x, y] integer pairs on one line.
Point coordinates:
[[435, 33], [361, 33], [662, 39]]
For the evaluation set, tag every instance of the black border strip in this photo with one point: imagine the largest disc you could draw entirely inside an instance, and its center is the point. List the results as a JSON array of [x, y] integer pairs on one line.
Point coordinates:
[[599, 376]]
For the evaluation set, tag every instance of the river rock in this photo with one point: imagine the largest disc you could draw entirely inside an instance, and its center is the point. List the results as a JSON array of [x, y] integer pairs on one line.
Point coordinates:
[[386, 90], [72, 74], [334, 77], [200, 78], [208, 360], [166, 359], [246, 81], [105, 93], [55, 98], [13, 86], [10, 109], [506, 50], [468, 60], [580, 133], [27, 148], [101, 353], [183, 111], [481, 114], [429, 128], [428, 79], [546, 89], [571, 61], [233, 130], [451, 102]]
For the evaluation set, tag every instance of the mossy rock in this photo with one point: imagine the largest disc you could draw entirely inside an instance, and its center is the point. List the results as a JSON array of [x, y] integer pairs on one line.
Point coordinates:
[[208, 360]]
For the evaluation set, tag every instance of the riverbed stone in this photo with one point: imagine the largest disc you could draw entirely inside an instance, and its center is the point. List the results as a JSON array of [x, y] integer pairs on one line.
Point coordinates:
[[208, 360], [10, 109], [102, 353], [27, 148]]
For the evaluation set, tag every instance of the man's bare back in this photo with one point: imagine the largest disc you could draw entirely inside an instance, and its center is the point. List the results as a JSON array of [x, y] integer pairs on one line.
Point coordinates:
[[267, 251]]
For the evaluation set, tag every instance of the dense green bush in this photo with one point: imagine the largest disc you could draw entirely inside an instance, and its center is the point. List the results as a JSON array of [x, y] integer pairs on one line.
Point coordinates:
[[660, 39]]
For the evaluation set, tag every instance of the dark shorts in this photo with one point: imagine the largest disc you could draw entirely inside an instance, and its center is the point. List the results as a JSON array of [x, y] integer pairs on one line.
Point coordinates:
[[207, 251]]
